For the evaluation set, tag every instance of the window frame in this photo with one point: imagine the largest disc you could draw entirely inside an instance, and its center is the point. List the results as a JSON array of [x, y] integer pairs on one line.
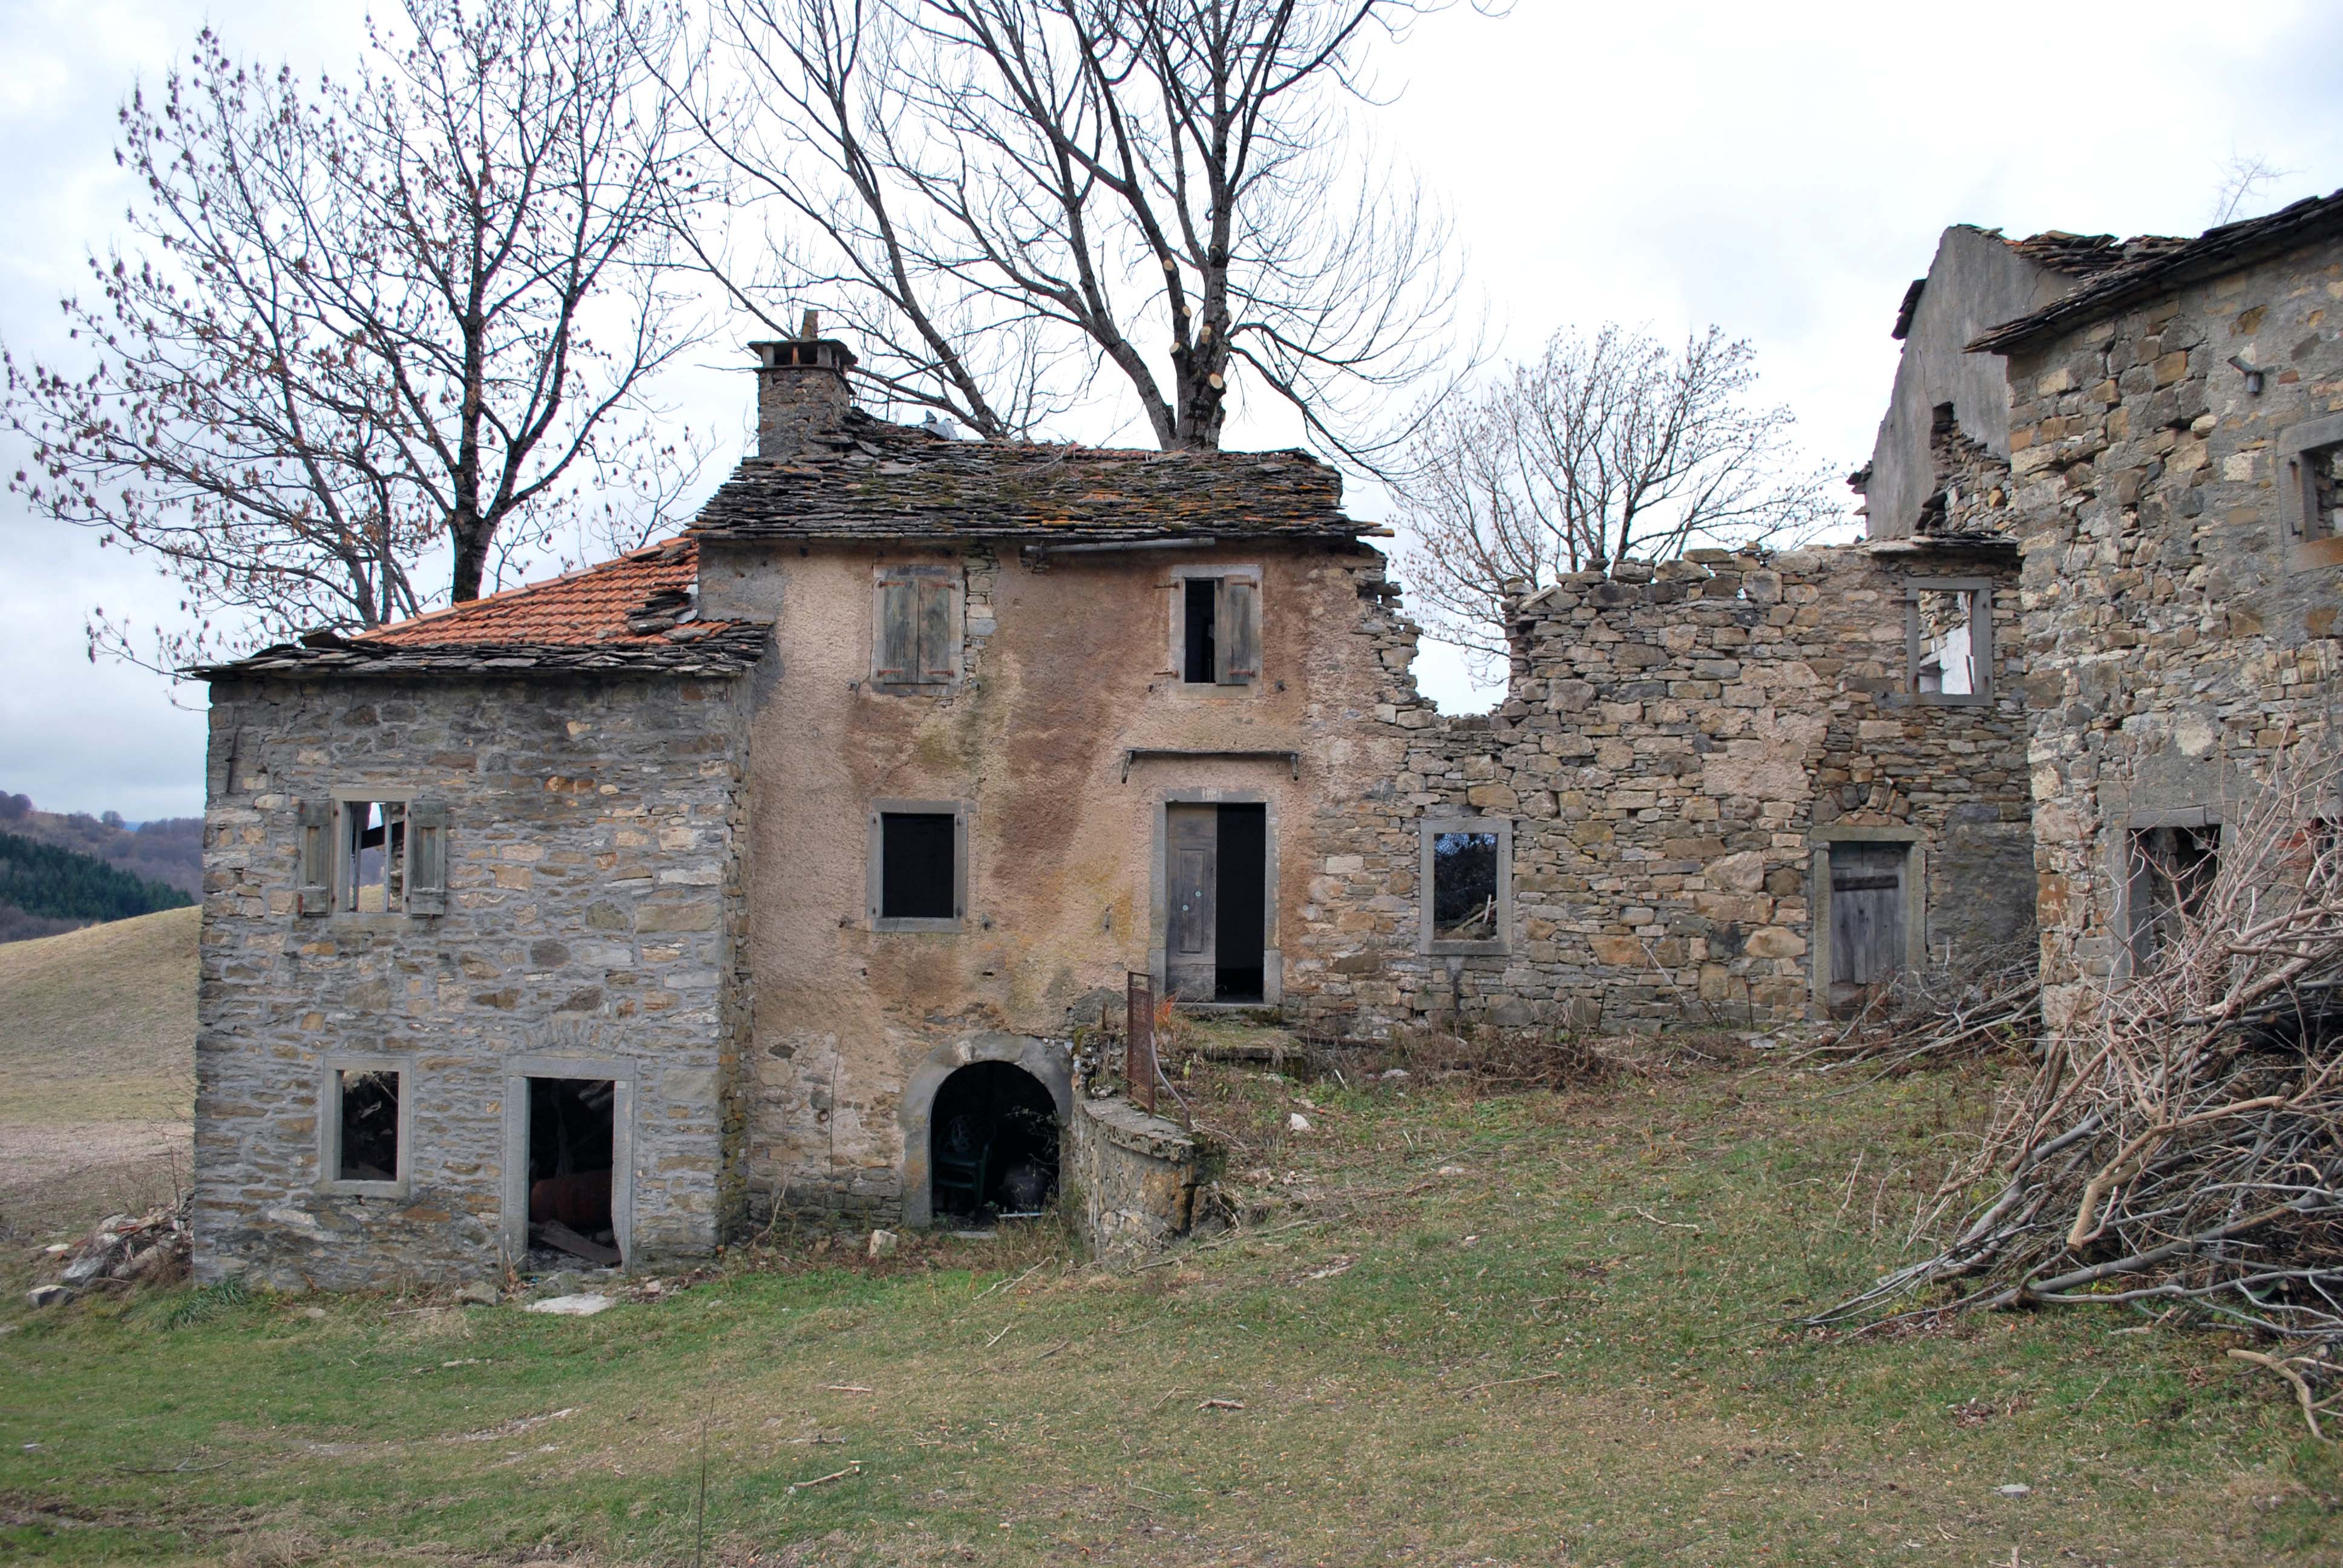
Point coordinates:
[[1177, 616], [2293, 456], [1428, 829], [875, 865], [331, 1068], [1818, 900], [2131, 871], [340, 870], [954, 578], [1979, 592]]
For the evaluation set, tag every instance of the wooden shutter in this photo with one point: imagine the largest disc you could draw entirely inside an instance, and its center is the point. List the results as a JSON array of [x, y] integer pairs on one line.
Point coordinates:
[[427, 857], [317, 851], [1238, 632], [898, 656], [939, 637]]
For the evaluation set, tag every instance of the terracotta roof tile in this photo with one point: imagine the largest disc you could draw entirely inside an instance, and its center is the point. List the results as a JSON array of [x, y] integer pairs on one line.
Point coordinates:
[[589, 606], [633, 615]]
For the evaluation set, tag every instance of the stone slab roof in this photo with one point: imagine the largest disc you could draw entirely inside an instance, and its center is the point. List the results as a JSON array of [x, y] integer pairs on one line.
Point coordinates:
[[633, 615], [877, 480], [2159, 269]]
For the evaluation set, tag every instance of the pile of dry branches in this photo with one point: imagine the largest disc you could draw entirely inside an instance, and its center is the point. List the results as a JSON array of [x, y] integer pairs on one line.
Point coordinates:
[[2181, 1140], [1933, 1017]]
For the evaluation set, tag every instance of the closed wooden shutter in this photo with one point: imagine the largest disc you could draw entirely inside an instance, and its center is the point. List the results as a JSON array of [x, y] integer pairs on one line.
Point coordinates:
[[316, 856], [939, 637], [898, 656], [427, 857], [1239, 631]]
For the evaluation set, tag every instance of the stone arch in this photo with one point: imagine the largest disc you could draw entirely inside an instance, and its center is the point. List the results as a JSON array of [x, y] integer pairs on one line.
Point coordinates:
[[1049, 1060]]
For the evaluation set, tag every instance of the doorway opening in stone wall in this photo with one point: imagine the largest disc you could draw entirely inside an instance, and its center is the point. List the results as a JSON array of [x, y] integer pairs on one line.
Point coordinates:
[[993, 1143], [1868, 912], [1216, 890], [572, 1146]]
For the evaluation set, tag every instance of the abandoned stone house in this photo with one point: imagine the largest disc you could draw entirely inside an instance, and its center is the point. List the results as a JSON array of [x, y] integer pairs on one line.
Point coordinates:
[[780, 864]]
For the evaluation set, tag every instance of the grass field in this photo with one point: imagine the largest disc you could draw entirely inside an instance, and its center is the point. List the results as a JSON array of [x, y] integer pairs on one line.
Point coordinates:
[[96, 1070], [1570, 1347]]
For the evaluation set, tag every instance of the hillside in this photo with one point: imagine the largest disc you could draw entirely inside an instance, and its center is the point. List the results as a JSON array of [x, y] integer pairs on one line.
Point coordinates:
[[97, 1033], [44, 885], [169, 851]]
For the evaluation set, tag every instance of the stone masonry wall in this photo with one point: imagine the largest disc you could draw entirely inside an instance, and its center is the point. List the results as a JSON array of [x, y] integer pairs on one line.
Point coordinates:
[[595, 910], [1670, 740], [2176, 642]]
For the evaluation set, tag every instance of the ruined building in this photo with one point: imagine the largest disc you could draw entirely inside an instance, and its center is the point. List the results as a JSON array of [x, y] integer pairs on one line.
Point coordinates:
[[781, 865]]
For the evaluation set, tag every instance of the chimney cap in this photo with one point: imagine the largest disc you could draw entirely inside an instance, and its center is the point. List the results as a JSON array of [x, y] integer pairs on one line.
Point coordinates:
[[802, 354]]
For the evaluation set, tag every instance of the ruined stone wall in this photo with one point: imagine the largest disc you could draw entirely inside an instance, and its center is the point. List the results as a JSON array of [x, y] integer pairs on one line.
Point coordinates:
[[2175, 640], [1672, 744], [596, 897]]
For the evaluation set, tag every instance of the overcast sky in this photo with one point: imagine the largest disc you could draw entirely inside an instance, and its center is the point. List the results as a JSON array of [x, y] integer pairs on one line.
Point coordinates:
[[1780, 170]]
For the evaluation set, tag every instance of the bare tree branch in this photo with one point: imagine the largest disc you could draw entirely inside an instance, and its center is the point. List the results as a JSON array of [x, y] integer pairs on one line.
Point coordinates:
[[1602, 450], [366, 319], [1004, 199]]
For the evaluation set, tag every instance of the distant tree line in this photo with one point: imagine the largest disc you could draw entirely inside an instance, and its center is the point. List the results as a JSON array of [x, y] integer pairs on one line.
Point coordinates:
[[50, 883], [169, 851]]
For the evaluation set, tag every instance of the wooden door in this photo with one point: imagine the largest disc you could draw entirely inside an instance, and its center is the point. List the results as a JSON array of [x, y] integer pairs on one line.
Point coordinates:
[[1866, 918], [1190, 884]]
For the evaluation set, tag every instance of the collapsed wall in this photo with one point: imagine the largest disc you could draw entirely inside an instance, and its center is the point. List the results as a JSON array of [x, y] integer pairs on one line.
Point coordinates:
[[1679, 752]]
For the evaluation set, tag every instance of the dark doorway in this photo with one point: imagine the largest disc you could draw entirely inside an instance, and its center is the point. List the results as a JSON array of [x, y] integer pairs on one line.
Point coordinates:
[[1216, 898], [992, 1143], [572, 1141]]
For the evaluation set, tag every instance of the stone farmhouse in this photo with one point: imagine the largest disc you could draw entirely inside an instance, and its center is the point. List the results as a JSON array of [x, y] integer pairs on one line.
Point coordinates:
[[785, 864]]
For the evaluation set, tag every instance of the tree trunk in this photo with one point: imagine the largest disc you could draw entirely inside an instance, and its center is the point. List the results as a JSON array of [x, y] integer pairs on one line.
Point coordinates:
[[470, 536]]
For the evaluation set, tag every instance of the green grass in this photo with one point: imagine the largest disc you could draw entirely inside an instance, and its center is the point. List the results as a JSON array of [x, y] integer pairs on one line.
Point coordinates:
[[1574, 1351]]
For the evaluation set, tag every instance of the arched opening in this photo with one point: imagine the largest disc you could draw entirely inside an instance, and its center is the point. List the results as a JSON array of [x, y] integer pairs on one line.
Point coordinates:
[[992, 1143]]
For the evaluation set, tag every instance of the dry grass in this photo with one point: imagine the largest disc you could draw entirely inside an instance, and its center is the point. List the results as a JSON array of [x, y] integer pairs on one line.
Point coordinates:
[[96, 1070], [1529, 1328]]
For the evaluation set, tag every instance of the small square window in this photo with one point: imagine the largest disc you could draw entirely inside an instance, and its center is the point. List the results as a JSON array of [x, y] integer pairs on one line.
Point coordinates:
[[373, 857], [1216, 626], [364, 1125], [1467, 893], [918, 639], [1948, 642], [919, 866], [2310, 492]]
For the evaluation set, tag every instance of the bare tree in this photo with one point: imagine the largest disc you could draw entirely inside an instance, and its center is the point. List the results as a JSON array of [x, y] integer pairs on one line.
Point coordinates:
[[370, 318], [1004, 199], [2242, 179], [1603, 450]]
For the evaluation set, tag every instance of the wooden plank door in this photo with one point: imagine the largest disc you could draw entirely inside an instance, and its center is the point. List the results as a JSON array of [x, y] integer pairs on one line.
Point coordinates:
[[1866, 918], [1191, 888]]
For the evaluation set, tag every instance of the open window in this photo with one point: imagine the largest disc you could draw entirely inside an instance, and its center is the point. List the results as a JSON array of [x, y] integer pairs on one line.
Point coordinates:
[[918, 637], [2171, 865], [2310, 492], [1466, 887], [371, 856], [1948, 642], [1216, 613], [364, 1125], [919, 866]]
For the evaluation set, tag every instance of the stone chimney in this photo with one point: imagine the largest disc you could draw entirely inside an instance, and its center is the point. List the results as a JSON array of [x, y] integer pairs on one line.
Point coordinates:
[[801, 390]]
